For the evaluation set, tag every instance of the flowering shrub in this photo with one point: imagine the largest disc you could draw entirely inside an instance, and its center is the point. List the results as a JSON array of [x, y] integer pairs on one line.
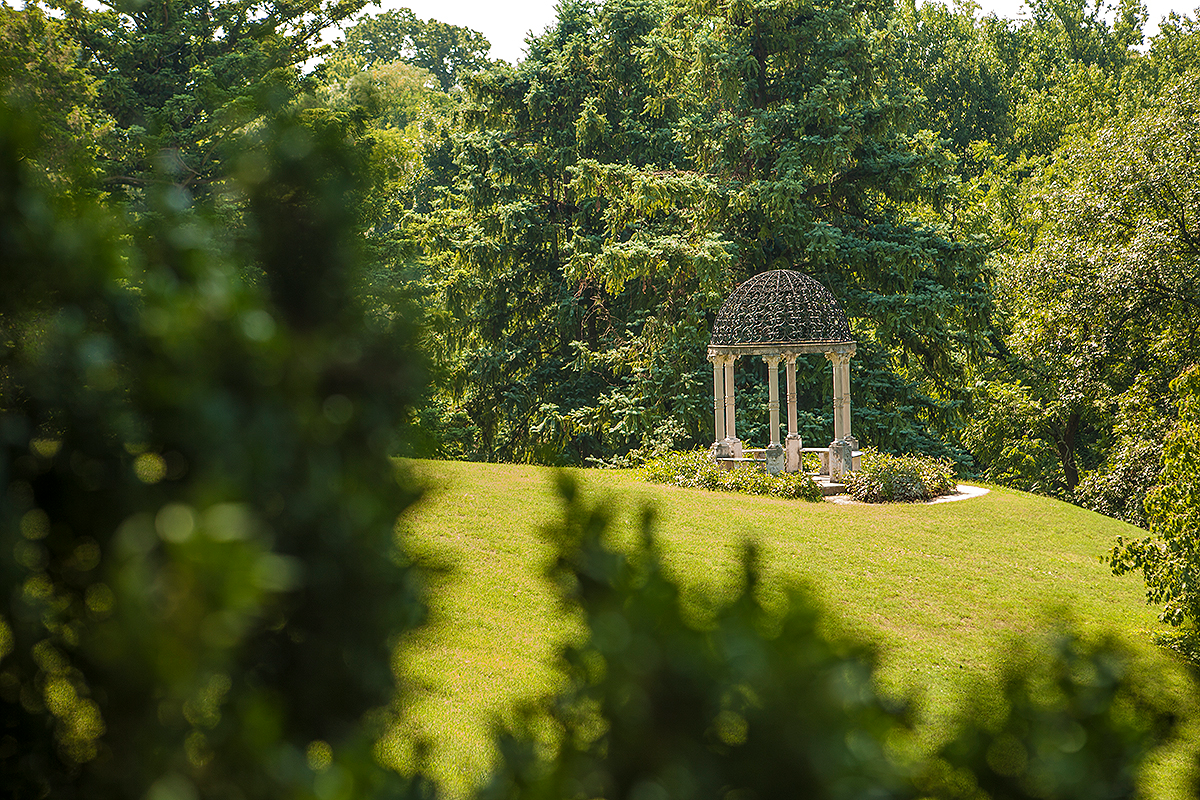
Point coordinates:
[[695, 469], [886, 478]]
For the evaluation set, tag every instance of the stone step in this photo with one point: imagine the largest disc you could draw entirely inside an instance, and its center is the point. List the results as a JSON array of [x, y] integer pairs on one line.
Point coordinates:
[[828, 487]]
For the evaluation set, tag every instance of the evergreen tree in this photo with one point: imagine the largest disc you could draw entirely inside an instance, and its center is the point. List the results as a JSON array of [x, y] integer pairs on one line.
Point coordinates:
[[180, 78], [614, 187]]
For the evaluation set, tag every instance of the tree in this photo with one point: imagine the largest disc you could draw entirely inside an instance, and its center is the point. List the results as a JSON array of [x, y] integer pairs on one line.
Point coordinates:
[[515, 318], [1169, 559], [199, 580], [180, 78], [40, 64], [392, 95], [615, 187], [449, 52], [813, 152], [1101, 313], [956, 63]]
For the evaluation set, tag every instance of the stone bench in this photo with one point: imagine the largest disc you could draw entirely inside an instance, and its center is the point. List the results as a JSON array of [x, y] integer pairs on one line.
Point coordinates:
[[755, 459]]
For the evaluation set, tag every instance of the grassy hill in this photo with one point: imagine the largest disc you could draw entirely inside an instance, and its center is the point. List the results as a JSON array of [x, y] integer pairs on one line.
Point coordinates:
[[940, 587]]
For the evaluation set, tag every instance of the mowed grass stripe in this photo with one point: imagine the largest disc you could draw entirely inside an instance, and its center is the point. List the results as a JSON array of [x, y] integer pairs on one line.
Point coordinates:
[[939, 587]]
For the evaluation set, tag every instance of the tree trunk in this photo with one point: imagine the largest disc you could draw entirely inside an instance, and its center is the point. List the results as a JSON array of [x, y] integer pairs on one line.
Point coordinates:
[[1064, 441]]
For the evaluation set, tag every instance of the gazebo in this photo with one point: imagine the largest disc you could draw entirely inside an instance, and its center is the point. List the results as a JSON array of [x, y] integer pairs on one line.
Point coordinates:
[[780, 315]]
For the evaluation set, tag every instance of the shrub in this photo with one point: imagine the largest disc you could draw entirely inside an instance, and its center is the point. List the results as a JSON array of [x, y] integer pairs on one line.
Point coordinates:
[[695, 469], [886, 478], [199, 571]]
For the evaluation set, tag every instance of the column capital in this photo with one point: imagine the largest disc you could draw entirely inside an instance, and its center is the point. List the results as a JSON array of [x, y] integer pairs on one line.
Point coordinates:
[[773, 359]]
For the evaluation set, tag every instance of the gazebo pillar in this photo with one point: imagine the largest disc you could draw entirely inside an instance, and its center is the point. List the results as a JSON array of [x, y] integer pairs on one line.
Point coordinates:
[[735, 444], [774, 454], [794, 446], [837, 395], [718, 405], [849, 437], [841, 449]]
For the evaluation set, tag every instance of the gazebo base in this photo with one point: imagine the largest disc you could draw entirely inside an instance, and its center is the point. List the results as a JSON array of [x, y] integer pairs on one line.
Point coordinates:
[[772, 459]]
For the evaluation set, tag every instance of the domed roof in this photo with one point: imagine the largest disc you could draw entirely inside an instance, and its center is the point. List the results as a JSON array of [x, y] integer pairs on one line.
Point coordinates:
[[780, 307]]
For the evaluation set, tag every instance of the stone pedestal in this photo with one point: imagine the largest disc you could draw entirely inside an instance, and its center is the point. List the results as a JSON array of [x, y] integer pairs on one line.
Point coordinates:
[[792, 452], [775, 459], [841, 459]]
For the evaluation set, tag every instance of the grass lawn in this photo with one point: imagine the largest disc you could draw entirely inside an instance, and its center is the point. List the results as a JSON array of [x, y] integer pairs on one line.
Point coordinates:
[[940, 587]]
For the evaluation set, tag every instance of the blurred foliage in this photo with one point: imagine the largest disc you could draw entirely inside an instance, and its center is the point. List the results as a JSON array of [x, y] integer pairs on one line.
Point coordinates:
[[677, 694], [200, 584], [1069, 718], [886, 478], [696, 469], [668, 698]]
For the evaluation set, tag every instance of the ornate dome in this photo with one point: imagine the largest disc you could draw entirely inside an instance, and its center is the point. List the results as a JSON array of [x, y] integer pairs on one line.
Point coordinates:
[[780, 307]]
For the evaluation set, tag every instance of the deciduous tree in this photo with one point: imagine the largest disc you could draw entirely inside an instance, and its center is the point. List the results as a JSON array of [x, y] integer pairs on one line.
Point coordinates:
[[448, 52]]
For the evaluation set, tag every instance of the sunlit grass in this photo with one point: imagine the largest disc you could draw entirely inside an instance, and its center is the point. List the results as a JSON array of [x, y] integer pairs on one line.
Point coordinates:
[[939, 587]]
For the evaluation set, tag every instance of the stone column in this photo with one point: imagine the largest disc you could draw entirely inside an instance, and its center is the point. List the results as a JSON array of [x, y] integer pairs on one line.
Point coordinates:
[[841, 449], [720, 447], [838, 399], [794, 445], [775, 460], [735, 445], [846, 402], [773, 395], [791, 397], [718, 399]]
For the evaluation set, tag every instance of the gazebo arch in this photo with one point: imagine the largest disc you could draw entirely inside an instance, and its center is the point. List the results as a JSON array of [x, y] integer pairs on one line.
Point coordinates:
[[780, 315]]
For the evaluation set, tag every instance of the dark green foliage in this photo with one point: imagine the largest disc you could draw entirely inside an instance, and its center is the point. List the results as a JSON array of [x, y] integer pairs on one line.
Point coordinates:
[[199, 578], [696, 469], [615, 186], [811, 146], [679, 695], [886, 478], [548, 363]]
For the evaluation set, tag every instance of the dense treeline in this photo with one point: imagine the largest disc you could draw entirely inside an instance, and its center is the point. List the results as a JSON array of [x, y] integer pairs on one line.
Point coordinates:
[[1006, 209], [242, 269]]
